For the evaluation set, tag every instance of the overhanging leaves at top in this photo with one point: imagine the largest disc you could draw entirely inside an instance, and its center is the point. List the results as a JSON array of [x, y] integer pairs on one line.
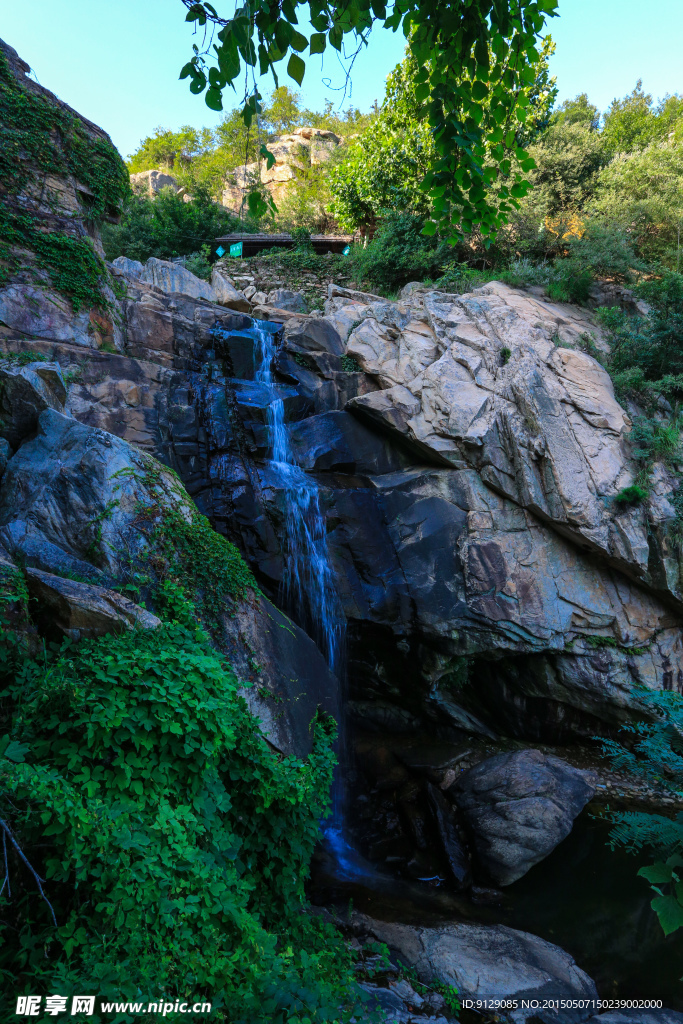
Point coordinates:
[[476, 60]]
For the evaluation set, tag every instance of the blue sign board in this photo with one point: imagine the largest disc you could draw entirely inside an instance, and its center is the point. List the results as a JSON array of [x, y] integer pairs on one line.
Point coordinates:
[[220, 251], [346, 250]]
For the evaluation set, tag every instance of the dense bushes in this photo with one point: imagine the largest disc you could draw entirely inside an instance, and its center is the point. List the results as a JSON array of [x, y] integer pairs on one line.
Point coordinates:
[[168, 226], [399, 253], [649, 348], [173, 842]]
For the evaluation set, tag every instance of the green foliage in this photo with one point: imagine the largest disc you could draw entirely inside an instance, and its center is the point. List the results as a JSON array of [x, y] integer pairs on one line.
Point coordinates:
[[171, 151], [577, 111], [475, 72], [350, 364], [173, 841], [642, 193], [304, 258], [201, 560], [652, 343], [399, 253], [654, 752], [41, 138], [23, 358], [652, 441], [505, 354], [386, 168], [167, 226], [74, 267], [185, 553], [199, 263], [632, 495], [634, 122]]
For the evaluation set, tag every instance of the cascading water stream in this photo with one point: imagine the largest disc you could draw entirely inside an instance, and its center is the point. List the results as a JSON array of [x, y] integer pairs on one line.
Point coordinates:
[[309, 586]]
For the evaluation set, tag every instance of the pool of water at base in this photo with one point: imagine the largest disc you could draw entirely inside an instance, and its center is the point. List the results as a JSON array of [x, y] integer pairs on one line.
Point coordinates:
[[584, 897]]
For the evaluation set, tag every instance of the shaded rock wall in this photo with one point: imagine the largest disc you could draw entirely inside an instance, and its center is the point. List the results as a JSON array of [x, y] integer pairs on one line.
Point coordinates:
[[435, 560]]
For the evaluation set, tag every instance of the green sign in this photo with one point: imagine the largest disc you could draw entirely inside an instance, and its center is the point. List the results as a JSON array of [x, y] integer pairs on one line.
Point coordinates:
[[236, 249], [346, 250]]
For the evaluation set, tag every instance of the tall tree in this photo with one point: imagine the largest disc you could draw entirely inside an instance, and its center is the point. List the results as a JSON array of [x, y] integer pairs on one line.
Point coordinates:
[[387, 165]]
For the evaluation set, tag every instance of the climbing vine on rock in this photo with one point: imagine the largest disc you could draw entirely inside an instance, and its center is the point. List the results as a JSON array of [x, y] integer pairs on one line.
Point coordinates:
[[42, 139], [476, 63]]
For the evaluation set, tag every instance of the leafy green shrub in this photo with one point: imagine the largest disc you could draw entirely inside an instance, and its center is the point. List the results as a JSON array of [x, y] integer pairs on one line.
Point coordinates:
[[652, 441], [173, 841], [633, 495], [168, 226], [302, 238], [505, 354], [399, 253], [653, 343], [199, 263], [350, 364], [654, 752]]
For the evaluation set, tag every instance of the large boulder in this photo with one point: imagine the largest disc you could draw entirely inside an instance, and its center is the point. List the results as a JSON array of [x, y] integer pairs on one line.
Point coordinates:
[[284, 298], [173, 277], [72, 499], [489, 962], [37, 311], [226, 294], [81, 610], [518, 807], [500, 381], [151, 182]]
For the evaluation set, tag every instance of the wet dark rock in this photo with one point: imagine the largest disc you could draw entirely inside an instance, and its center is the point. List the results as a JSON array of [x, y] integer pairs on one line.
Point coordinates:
[[383, 998], [336, 441], [382, 716], [287, 679], [5, 454], [518, 807], [447, 829]]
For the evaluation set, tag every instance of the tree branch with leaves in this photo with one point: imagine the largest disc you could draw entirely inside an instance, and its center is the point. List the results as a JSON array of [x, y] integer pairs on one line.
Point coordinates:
[[476, 63]]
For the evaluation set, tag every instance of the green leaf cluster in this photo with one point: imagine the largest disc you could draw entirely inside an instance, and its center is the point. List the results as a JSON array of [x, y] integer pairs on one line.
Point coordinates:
[[475, 74], [389, 167], [174, 843], [654, 752]]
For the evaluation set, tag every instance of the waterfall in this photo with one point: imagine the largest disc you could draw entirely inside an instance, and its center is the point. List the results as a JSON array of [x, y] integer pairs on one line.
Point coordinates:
[[309, 586]]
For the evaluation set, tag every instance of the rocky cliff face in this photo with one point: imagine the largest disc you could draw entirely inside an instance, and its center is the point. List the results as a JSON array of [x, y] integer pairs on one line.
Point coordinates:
[[487, 575], [305, 147]]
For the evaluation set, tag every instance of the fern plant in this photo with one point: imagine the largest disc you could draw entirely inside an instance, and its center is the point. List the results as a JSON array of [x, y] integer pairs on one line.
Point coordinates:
[[655, 753]]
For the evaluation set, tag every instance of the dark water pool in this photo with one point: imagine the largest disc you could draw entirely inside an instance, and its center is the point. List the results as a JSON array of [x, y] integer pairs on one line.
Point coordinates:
[[584, 897]]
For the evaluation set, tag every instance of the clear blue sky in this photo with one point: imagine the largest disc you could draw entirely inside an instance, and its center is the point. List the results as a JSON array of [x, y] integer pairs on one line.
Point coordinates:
[[117, 61]]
